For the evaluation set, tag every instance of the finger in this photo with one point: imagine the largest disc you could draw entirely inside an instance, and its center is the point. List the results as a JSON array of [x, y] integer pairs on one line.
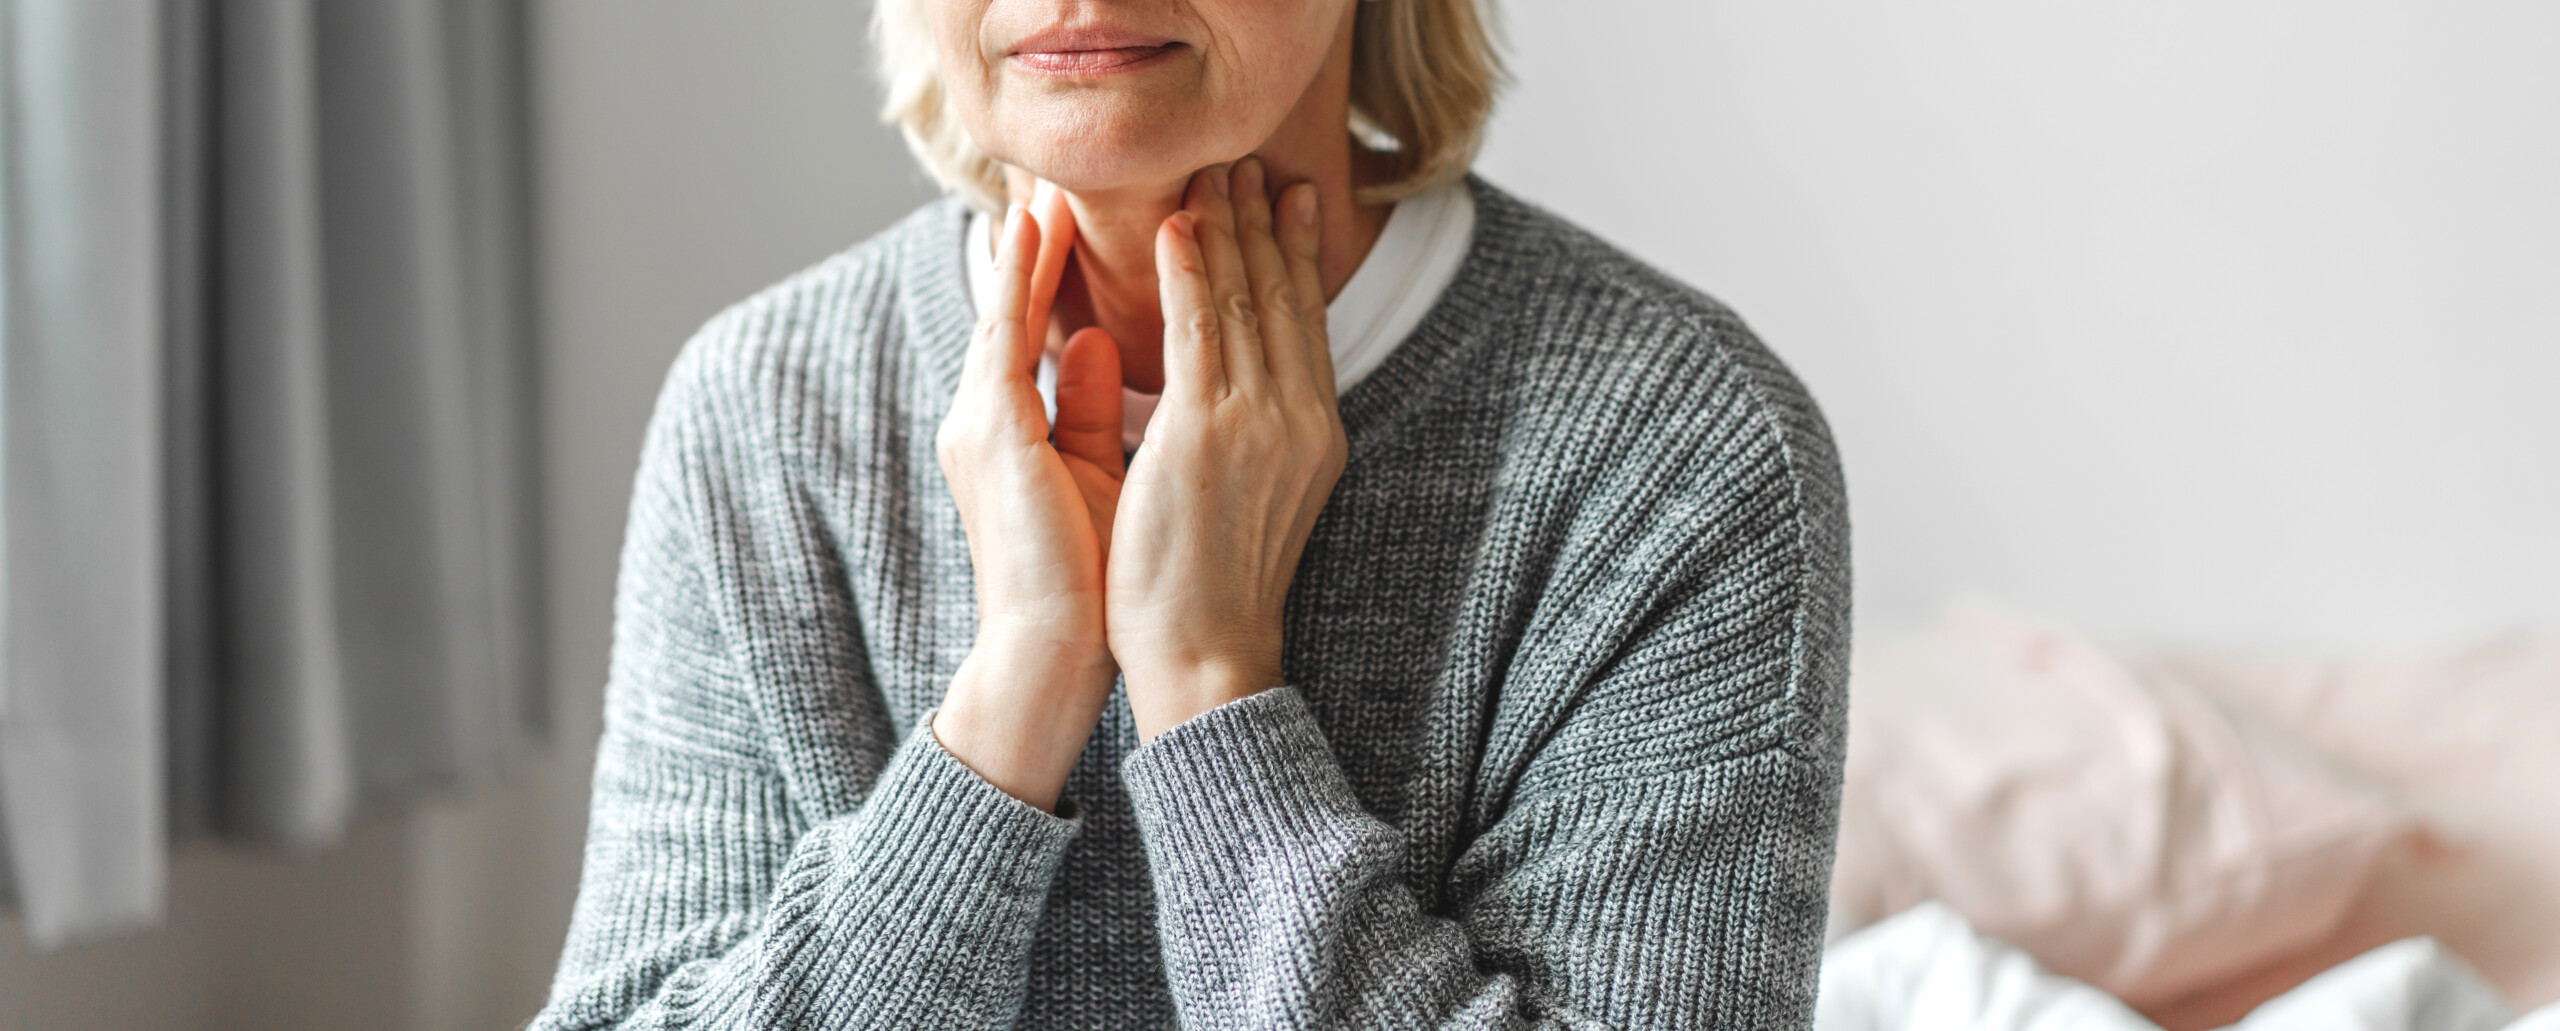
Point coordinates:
[[999, 350], [1089, 400], [1194, 364], [1057, 224], [1301, 236], [1230, 292], [1284, 343]]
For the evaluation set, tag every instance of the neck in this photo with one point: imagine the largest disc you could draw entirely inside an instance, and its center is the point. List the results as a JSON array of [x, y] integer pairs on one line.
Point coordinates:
[[1110, 281]]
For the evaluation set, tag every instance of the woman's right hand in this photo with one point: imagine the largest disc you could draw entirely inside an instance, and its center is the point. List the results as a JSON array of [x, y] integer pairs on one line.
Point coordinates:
[[1038, 517]]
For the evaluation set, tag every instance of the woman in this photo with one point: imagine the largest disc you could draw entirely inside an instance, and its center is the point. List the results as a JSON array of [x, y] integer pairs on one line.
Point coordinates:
[[1466, 653]]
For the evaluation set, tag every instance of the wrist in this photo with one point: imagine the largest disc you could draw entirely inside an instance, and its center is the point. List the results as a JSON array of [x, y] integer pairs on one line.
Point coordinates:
[[1018, 715], [1075, 641], [1032, 653]]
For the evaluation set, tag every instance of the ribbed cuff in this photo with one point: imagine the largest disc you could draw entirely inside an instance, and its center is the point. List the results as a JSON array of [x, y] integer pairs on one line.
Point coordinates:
[[955, 828], [936, 846], [918, 909], [1257, 768]]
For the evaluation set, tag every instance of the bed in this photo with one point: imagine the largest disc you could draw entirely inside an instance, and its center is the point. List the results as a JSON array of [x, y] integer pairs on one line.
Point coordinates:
[[2197, 839]]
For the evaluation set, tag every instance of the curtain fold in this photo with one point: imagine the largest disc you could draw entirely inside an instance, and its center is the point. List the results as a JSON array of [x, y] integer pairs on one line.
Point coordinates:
[[80, 282], [325, 535]]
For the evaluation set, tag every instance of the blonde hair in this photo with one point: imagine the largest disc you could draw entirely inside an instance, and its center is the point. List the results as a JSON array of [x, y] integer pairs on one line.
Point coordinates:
[[1423, 76]]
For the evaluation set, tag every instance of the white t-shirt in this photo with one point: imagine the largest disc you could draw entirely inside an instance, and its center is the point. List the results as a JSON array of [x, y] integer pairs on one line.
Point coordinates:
[[1413, 261]]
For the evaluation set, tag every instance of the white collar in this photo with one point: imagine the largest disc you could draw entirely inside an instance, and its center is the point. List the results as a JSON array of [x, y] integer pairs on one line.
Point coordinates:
[[1413, 262]]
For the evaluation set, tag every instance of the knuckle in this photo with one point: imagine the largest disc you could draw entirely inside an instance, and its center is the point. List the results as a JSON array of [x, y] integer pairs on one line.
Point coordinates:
[[1282, 299], [1201, 325], [1240, 308]]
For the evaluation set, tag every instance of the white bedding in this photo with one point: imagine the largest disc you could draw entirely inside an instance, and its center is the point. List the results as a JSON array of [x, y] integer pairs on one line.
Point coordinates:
[[1927, 970]]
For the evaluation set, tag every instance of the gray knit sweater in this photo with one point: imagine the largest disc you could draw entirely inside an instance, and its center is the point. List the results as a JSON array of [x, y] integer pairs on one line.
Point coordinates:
[[1561, 746]]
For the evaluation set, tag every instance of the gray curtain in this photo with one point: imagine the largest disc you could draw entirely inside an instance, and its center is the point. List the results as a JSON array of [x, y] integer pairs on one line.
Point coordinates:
[[269, 513]]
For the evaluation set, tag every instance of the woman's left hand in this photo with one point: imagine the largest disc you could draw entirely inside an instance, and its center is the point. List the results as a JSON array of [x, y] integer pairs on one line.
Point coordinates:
[[1240, 454]]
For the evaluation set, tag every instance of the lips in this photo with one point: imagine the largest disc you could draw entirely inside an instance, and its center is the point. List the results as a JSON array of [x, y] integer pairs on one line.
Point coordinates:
[[1088, 51]]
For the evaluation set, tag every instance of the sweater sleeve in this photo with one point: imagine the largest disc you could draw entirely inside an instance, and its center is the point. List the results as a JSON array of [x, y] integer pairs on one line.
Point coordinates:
[[708, 899], [1659, 861]]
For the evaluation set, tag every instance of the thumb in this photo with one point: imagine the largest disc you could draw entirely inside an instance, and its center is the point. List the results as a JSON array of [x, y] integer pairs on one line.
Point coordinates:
[[1089, 416], [1057, 234]]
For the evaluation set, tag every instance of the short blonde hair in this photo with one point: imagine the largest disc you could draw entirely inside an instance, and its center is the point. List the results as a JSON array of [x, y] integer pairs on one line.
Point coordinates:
[[1423, 76]]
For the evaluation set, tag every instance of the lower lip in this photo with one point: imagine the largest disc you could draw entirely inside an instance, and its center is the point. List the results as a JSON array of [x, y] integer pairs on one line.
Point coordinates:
[[1090, 62]]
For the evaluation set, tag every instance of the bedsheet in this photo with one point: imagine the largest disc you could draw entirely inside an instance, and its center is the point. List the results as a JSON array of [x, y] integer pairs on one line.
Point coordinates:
[[1928, 970]]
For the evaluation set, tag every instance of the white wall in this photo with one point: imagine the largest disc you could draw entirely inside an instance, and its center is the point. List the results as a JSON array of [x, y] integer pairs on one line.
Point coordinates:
[[2232, 321]]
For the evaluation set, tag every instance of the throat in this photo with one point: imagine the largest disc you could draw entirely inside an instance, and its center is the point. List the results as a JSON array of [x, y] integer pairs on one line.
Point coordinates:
[[1121, 299]]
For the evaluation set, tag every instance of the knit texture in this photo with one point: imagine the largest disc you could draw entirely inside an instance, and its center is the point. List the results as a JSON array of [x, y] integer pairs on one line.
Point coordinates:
[[1561, 743]]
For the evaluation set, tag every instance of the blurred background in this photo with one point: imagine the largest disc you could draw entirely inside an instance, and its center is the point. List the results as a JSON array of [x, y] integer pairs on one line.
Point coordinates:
[[2229, 324]]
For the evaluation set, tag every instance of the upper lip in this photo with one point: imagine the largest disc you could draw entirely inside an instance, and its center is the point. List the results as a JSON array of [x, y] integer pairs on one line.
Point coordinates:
[[1063, 40]]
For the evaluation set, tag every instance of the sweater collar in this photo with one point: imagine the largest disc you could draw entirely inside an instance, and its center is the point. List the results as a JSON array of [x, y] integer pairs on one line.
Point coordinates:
[[1488, 287]]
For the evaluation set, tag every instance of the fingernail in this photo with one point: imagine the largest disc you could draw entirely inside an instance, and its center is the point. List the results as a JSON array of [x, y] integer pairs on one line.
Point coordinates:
[[1012, 218], [1185, 223], [1306, 203], [1218, 180]]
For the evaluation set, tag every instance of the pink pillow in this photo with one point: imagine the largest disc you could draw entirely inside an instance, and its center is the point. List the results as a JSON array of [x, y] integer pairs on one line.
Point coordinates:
[[2465, 736], [2123, 831]]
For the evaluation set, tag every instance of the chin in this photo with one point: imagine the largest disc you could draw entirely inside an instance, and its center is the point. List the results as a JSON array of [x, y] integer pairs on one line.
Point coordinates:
[[1093, 144]]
